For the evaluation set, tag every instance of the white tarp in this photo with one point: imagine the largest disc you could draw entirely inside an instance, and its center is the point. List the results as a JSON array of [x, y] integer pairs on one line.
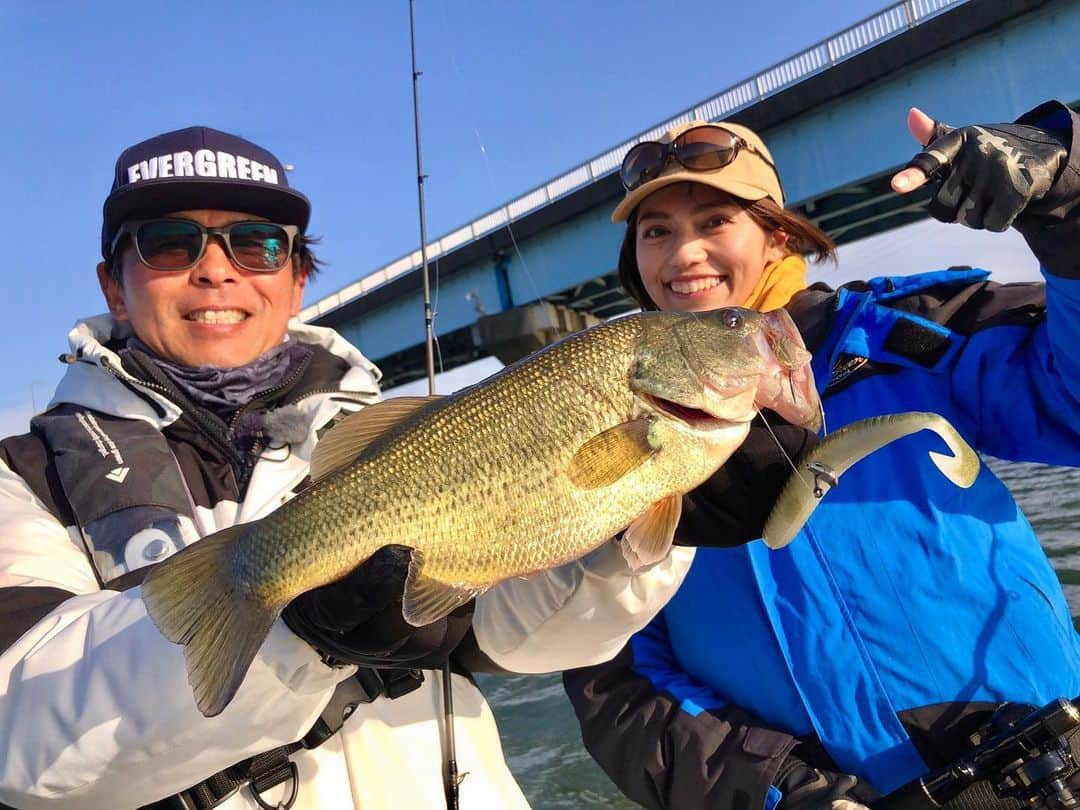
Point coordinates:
[[931, 245]]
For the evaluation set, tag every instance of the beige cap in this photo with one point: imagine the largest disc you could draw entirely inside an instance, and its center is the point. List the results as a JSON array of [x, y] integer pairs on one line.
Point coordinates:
[[748, 177]]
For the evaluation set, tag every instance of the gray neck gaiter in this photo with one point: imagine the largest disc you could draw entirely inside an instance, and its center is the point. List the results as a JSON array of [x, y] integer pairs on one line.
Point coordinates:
[[226, 389]]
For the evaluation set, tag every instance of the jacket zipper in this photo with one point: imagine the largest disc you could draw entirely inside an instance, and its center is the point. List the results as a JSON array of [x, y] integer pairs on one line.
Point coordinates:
[[199, 417], [207, 423], [263, 396]]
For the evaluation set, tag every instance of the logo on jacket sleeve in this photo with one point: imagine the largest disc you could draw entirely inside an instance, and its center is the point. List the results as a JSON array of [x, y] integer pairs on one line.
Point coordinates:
[[102, 441], [118, 474]]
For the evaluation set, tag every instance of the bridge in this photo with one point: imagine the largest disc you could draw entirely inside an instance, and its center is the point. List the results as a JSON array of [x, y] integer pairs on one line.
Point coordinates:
[[543, 264]]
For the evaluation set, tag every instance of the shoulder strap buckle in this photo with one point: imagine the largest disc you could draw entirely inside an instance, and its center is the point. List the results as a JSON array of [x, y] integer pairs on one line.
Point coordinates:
[[363, 687], [275, 776]]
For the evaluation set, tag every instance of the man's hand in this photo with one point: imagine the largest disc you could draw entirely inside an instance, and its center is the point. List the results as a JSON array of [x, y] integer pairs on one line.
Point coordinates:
[[990, 174], [357, 620]]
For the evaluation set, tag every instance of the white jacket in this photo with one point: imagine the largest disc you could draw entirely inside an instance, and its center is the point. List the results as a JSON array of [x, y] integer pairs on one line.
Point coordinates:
[[95, 708]]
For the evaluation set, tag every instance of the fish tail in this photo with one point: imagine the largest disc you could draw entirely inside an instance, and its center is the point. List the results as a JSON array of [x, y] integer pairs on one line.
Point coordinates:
[[193, 600]]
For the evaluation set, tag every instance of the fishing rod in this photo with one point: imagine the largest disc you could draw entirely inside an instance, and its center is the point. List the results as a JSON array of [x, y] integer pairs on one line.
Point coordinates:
[[451, 778], [429, 334], [1021, 754]]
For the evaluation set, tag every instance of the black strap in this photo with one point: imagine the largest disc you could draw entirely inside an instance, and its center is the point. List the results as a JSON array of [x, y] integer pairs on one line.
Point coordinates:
[[267, 770], [366, 685], [260, 773]]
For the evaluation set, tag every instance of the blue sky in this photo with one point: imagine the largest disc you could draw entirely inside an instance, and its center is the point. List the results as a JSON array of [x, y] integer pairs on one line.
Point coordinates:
[[513, 94]]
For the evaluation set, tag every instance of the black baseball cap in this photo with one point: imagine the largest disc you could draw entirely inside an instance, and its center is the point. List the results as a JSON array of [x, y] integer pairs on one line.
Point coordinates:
[[199, 167]]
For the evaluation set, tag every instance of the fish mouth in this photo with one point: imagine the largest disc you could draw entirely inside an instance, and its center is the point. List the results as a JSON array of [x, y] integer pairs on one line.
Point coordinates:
[[694, 417], [788, 387]]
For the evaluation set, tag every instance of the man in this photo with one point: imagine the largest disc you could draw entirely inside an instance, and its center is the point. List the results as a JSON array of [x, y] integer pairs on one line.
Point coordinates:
[[195, 404]]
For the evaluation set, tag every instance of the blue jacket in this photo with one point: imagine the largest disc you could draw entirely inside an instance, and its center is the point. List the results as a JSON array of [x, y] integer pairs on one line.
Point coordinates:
[[903, 591], [907, 608], [907, 605]]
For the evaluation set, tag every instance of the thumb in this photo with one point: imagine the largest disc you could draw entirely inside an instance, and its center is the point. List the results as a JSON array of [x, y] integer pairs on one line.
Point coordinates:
[[845, 804], [921, 126], [926, 131]]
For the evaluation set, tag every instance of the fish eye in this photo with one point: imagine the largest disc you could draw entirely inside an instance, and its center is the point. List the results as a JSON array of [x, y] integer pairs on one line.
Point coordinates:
[[731, 318]]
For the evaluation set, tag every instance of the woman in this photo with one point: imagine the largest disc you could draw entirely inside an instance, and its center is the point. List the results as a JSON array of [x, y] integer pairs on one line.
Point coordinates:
[[907, 609]]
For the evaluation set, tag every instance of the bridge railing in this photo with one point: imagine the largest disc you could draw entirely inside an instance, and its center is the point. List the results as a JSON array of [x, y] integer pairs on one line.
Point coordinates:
[[822, 56]]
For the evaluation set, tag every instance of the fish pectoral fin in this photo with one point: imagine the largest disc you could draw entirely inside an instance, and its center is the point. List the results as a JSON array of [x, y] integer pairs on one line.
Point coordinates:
[[608, 456], [346, 440], [427, 600], [193, 601], [648, 539]]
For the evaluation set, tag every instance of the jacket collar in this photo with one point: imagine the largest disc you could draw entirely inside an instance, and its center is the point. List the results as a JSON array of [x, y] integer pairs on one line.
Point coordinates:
[[96, 379]]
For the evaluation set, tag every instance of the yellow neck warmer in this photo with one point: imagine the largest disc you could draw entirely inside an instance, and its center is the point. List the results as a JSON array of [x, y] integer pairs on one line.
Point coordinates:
[[778, 283]]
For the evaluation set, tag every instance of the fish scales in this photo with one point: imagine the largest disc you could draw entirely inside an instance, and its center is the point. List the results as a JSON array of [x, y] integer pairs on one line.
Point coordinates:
[[448, 481], [529, 469]]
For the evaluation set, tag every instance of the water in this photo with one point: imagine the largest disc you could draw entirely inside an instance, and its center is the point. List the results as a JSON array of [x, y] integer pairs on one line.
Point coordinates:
[[540, 734]]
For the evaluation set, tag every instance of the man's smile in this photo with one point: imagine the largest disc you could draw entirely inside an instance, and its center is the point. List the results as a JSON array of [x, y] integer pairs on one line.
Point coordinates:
[[224, 316]]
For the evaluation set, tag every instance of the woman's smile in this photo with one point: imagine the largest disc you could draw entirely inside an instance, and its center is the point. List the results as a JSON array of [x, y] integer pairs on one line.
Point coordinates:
[[697, 249]]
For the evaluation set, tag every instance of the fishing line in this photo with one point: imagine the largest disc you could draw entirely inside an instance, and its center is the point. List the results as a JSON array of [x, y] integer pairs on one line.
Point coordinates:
[[799, 473], [791, 462], [463, 90]]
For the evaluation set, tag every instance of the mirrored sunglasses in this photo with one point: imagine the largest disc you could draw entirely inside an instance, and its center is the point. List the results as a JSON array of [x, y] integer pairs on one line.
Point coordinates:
[[179, 244]]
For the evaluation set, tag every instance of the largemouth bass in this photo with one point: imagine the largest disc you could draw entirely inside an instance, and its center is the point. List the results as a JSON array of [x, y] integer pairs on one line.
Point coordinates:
[[529, 469]]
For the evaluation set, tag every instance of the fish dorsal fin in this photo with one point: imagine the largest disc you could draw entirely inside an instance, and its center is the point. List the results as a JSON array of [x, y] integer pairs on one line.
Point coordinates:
[[347, 439], [427, 600], [648, 539], [608, 456]]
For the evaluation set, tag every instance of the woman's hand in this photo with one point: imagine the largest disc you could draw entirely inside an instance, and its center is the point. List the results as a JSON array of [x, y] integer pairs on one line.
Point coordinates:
[[991, 174], [806, 788], [731, 507]]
